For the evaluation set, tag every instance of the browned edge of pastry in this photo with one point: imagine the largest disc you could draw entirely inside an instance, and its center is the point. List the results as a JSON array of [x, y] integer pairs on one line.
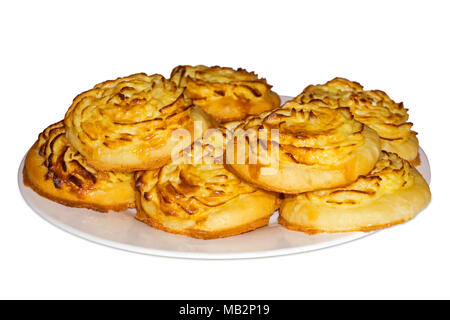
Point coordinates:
[[75, 204]]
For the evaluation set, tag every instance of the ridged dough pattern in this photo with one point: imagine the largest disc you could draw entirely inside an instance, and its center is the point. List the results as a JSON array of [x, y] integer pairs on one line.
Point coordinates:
[[126, 124], [225, 93], [61, 173], [318, 145], [196, 196], [390, 174], [373, 108], [393, 192]]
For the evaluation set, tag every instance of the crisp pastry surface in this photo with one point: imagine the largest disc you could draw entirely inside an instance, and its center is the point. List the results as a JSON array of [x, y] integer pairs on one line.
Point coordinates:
[[393, 192], [200, 198], [373, 108], [302, 147], [225, 93], [60, 173], [127, 124]]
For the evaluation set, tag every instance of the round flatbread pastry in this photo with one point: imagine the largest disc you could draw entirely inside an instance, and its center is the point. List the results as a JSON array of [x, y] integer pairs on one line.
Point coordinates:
[[196, 196], [375, 109], [225, 93], [301, 147], [392, 193], [127, 124], [60, 173]]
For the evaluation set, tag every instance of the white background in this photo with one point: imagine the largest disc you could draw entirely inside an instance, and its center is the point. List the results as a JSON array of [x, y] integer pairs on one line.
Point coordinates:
[[52, 50]]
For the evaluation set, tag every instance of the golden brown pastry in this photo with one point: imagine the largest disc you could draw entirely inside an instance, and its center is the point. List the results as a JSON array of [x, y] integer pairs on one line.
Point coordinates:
[[374, 108], [393, 192], [127, 124], [225, 93], [201, 199], [316, 148], [58, 172]]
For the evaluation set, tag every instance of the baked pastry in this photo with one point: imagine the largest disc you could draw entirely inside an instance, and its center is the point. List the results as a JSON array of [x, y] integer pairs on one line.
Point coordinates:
[[302, 147], [201, 199], [374, 108], [393, 192], [58, 172], [225, 93], [127, 124]]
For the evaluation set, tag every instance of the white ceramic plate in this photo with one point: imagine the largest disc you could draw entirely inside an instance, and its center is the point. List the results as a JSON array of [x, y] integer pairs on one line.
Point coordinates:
[[120, 230]]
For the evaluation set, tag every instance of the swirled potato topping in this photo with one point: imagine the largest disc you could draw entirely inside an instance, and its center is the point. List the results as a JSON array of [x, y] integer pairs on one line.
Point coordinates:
[[390, 174], [214, 74], [196, 196], [60, 173], [373, 108], [225, 93], [302, 147], [187, 189], [309, 134], [67, 168], [126, 124]]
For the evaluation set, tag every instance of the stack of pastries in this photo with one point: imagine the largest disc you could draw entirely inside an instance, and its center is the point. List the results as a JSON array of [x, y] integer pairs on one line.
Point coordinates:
[[210, 153]]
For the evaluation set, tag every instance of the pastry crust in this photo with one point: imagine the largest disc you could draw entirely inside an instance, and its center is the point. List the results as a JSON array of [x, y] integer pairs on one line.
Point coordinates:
[[127, 124], [317, 148], [393, 192], [214, 231], [58, 172], [201, 199], [374, 108], [225, 93]]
